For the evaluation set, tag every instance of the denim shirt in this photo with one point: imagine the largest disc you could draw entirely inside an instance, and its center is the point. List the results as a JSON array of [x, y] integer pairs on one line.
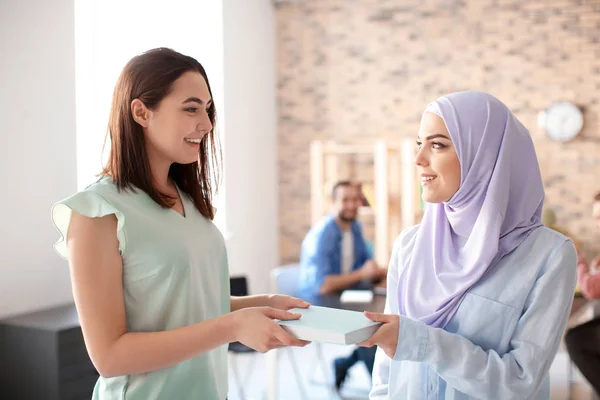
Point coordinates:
[[321, 254], [501, 341]]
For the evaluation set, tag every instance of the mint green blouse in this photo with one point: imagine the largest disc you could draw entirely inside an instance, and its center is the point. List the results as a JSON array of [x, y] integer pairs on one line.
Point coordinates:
[[175, 273]]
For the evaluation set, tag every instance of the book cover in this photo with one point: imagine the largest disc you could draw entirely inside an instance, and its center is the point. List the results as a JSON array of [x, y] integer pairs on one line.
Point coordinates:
[[330, 325]]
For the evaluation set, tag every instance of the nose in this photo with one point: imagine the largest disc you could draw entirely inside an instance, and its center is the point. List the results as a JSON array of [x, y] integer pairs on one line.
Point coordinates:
[[204, 125], [421, 159]]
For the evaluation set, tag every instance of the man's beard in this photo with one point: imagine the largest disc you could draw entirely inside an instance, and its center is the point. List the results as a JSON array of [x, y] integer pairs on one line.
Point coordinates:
[[343, 218]]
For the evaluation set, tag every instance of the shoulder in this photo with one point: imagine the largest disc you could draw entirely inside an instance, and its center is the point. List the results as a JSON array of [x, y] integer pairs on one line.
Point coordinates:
[[546, 241], [356, 227], [325, 227], [85, 213], [544, 254], [321, 235], [405, 241], [106, 188], [552, 245]]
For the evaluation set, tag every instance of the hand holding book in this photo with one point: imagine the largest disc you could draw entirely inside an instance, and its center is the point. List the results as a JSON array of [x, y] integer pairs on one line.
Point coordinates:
[[386, 337], [282, 302]]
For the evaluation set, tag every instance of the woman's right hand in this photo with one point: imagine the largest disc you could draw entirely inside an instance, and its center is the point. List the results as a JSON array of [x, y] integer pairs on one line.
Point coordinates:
[[255, 327]]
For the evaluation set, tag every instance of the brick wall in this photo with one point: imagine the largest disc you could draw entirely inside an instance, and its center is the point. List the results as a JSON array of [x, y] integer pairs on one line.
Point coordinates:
[[365, 69]]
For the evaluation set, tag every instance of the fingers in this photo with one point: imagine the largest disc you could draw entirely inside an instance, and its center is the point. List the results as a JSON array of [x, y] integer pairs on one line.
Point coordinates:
[[296, 302], [287, 339], [373, 340], [365, 343], [275, 344], [378, 317], [274, 313]]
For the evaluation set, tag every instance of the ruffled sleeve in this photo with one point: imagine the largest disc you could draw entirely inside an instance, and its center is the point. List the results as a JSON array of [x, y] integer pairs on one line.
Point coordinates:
[[89, 204]]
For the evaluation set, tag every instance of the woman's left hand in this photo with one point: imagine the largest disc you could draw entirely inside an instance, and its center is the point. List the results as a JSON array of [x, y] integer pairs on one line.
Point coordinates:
[[283, 302], [386, 337]]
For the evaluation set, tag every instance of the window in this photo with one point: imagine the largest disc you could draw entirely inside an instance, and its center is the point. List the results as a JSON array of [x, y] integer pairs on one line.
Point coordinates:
[[108, 33]]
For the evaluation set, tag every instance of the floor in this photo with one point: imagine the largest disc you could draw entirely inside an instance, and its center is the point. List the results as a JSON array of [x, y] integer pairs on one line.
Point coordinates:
[[252, 369]]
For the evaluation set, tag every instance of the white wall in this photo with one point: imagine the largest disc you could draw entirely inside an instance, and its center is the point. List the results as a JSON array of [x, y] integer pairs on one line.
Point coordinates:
[[250, 138], [38, 127], [110, 32], [37, 132]]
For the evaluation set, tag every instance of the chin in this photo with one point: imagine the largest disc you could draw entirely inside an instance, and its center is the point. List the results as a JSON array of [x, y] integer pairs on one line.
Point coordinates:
[[432, 198], [187, 159]]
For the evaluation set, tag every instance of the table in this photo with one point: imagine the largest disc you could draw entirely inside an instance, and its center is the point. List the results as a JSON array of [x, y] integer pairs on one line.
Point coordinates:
[[332, 301]]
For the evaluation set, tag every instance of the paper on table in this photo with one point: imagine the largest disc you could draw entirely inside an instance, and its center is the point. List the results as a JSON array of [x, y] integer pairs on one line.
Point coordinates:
[[356, 296], [380, 291]]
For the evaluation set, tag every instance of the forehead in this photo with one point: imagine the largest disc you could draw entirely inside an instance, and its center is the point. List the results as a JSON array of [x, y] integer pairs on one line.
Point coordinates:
[[345, 191], [431, 124], [190, 84]]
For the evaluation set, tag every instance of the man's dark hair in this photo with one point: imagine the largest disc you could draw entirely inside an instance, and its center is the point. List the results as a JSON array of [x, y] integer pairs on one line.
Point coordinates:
[[339, 184]]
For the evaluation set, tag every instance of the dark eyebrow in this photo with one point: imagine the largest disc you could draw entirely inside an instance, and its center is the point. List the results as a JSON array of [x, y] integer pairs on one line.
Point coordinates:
[[196, 100], [435, 136]]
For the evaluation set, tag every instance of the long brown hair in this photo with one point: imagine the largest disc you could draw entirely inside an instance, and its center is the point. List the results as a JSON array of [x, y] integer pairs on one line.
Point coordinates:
[[149, 77]]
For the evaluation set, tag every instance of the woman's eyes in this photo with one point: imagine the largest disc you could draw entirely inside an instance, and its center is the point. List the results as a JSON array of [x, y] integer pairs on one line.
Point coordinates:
[[435, 145]]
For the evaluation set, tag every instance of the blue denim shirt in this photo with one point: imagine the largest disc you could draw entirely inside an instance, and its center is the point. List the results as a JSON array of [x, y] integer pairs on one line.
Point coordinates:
[[322, 254], [501, 341]]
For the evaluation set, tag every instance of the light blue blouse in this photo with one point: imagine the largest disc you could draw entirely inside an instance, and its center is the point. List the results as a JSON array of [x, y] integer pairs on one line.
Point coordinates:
[[502, 340]]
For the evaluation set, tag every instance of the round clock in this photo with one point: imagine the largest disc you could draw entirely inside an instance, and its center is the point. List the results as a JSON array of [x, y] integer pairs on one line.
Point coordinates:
[[562, 121]]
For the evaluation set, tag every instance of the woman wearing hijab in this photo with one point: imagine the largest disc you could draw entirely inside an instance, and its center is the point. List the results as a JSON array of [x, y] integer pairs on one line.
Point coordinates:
[[478, 293]]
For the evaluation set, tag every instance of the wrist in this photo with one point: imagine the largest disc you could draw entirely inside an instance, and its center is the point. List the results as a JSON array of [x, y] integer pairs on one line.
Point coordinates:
[[360, 274], [229, 327], [267, 300]]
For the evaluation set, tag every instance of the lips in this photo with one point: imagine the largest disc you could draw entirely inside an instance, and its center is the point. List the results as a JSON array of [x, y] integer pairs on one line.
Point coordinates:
[[195, 143], [427, 179]]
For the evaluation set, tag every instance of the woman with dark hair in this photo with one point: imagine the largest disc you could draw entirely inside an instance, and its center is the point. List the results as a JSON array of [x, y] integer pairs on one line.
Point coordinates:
[[148, 267]]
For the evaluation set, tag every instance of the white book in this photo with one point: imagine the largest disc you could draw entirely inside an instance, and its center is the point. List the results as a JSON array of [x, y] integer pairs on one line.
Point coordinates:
[[330, 325]]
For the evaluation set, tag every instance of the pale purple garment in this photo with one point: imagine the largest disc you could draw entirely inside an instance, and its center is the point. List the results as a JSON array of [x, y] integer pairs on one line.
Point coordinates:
[[498, 204]]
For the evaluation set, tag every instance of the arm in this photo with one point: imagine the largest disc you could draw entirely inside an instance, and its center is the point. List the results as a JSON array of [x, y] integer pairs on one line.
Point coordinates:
[[486, 374], [239, 302], [589, 284], [335, 283], [277, 301], [96, 273], [316, 251]]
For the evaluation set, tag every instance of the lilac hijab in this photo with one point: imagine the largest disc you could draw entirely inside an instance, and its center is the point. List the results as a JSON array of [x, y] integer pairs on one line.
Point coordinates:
[[498, 204]]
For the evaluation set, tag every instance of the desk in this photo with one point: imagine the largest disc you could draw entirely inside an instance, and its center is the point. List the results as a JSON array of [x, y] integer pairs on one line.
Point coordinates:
[[332, 301]]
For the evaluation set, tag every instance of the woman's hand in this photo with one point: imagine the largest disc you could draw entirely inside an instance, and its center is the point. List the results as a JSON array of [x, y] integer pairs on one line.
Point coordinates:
[[254, 327], [386, 337], [282, 302]]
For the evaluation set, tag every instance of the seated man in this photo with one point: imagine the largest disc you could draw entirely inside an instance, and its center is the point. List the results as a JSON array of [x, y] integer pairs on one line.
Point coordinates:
[[335, 257], [582, 341]]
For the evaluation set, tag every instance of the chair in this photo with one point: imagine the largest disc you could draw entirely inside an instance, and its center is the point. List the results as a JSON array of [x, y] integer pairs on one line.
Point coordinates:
[[239, 287], [285, 281]]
